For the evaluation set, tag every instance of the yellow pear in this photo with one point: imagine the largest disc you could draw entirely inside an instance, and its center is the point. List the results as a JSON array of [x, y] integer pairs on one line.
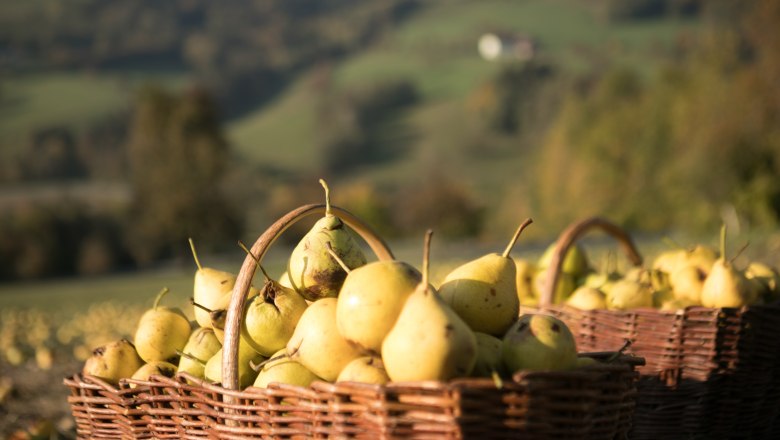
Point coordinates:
[[687, 282], [575, 262], [627, 294], [162, 332], [525, 270], [725, 286], [767, 277], [280, 368], [540, 343], [563, 289], [113, 361], [365, 369], [317, 344], [483, 292], [311, 270], [488, 355], [247, 357], [200, 347], [158, 368], [587, 298], [371, 300], [429, 341], [210, 290]]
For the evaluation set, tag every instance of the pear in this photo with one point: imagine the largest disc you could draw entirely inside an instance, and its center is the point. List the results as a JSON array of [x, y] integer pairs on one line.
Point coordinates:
[[725, 286], [484, 291], [540, 343], [525, 270], [159, 368], [247, 357], [429, 341], [628, 294], [563, 289], [668, 260], [281, 369], [210, 290], [284, 280], [270, 318], [488, 355], [575, 262], [200, 347], [217, 316], [113, 361], [161, 332], [687, 282], [371, 300], [674, 304], [767, 279], [586, 361], [317, 344], [311, 270], [587, 298], [365, 369], [664, 296]]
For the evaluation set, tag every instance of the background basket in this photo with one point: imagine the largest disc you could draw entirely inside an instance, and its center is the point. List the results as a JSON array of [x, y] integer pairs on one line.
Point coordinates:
[[709, 372], [593, 402]]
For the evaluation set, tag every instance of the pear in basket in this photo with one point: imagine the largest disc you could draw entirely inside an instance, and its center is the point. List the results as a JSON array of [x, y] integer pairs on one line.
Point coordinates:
[[726, 286], [484, 291], [200, 347], [210, 289], [311, 270], [280, 368], [488, 355], [365, 369], [563, 289], [157, 368], [270, 317], [575, 262], [371, 300], [162, 332], [767, 277], [429, 341], [113, 361], [628, 294], [317, 344], [587, 298], [540, 343], [247, 357], [525, 271]]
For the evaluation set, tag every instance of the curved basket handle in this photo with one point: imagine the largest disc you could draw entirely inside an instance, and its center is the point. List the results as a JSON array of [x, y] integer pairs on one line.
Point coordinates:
[[568, 237], [244, 279]]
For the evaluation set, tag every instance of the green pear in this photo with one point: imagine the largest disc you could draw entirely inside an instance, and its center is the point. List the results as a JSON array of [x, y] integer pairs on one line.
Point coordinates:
[[483, 292], [365, 369], [113, 361], [687, 282], [162, 332], [317, 344], [488, 355], [587, 298], [627, 294], [725, 286], [270, 318], [767, 277], [525, 270], [371, 300], [158, 368], [575, 262], [281, 369], [540, 343], [311, 270], [429, 341], [600, 280], [586, 361], [247, 357], [563, 289], [200, 347]]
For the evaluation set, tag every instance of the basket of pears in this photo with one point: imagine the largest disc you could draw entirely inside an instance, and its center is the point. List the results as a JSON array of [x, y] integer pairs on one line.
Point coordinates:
[[707, 329], [343, 346]]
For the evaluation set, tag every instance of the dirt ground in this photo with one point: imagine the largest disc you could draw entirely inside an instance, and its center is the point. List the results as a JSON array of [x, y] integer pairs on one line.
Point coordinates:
[[33, 402]]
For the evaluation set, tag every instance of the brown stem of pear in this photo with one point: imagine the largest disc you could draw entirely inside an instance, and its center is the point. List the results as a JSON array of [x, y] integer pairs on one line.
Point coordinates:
[[191, 357], [512, 242], [258, 367], [195, 254], [426, 256], [327, 198], [739, 252], [159, 297], [337, 258], [619, 352], [257, 261]]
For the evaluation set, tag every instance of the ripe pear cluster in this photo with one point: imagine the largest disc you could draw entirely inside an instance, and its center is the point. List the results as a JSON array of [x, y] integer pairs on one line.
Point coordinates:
[[700, 275]]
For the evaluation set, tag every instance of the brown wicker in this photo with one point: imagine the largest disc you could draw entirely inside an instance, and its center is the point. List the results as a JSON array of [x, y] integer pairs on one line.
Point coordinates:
[[594, 402], [709, 372]]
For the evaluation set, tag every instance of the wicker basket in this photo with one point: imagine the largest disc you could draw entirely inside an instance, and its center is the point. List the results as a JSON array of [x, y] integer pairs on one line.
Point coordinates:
[[593, 402], [709, 372]]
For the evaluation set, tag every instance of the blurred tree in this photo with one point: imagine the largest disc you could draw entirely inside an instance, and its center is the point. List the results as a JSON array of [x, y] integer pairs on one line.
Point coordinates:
[[178, 156]]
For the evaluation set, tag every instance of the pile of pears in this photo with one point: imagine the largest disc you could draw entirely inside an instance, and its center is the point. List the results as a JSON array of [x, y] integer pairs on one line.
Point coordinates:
[[680, 277], [334, 316]]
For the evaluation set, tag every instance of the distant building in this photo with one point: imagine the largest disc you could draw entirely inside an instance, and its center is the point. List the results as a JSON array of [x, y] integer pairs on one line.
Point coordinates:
[[495, 46]]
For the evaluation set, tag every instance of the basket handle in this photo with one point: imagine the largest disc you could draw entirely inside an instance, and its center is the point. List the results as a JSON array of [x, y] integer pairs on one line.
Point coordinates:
[[567, 239], [244, 279]]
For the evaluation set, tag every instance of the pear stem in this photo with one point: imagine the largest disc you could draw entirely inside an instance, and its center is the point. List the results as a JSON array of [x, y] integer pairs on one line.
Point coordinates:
[[258, 367], [723, 242], [200, 306], [327, 198], [337, 258], [257, 261], [195, 254], [191, 357], [426, 256], [159, 297], [512, 242], [739, 252]]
